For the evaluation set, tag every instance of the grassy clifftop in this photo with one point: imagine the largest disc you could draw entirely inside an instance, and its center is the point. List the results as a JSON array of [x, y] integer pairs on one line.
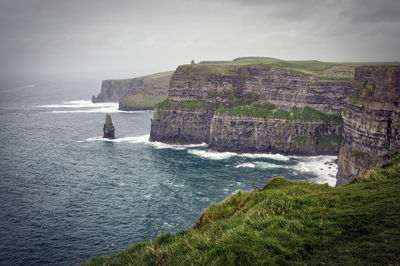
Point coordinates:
[[154, 90], [317, 69], [288, 222]]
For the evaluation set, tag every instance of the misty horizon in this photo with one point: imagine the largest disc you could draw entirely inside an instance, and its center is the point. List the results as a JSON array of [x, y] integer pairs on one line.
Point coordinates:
[[125, 39]]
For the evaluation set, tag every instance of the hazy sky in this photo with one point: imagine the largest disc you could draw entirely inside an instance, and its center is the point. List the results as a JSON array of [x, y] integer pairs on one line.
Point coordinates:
[[129, 38]]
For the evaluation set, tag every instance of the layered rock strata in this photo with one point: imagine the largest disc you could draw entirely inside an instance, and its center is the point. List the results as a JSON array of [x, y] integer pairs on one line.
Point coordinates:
[[253, 134], [181, 125], [257, 83], [229, 86], [116, 89], [371, 121]]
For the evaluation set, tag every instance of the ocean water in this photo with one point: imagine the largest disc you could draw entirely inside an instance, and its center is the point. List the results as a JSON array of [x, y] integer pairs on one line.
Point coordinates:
[[66, 194]]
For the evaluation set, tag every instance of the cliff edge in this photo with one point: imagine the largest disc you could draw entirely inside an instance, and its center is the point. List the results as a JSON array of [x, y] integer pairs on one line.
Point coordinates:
[[136, 93], [371, 121], [254, 105]]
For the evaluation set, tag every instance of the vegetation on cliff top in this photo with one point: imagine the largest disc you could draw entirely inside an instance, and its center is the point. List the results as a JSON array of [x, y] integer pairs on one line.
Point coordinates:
[[142, 100], [270, 111], [153, 90], [158, 79], [169, 105], [287, 222], [318, 69]]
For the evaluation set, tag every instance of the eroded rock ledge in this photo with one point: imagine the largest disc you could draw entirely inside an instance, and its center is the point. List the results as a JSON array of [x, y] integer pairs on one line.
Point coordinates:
[[371, 121], [199, 95]]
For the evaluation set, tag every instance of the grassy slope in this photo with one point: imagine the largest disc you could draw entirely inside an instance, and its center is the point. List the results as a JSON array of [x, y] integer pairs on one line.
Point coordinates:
[[288, 222], [155, 90], [322, 70]]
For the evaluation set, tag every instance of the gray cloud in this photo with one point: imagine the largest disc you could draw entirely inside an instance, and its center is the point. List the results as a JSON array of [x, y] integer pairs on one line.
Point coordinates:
[[130, 38]]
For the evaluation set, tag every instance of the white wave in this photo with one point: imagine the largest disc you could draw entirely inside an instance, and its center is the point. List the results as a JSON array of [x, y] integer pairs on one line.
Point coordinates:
[[250, 165], [79, 104], [212, 155], [135, 139], [265, 165], [277, 156], [322, 166], [160, 145]]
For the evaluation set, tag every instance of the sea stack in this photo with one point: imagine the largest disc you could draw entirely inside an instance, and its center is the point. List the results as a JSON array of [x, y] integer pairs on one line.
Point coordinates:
[[108, 129]]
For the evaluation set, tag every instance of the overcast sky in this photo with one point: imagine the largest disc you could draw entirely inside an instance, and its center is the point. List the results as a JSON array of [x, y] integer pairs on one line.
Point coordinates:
[[130, 38]]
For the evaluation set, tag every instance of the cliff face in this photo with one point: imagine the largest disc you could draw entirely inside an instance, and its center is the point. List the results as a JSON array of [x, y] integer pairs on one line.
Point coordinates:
[[285, 89], [217, 87], [181, 125], [253, 134], [208, 88], [137, 93], [371, 121], [114, 90]]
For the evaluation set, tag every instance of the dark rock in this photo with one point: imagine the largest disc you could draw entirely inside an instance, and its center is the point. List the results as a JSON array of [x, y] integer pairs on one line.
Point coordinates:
[[371, 121], [243, 85], [108, 129]]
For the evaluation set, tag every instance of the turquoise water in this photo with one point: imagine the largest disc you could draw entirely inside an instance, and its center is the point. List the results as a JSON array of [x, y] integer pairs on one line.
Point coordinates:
[[66, 194]]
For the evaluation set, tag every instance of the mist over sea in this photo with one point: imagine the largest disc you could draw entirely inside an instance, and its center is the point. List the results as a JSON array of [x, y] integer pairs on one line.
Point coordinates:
[[66, 194]]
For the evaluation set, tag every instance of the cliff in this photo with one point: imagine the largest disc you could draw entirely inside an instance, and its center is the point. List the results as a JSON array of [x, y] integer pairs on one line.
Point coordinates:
[[286, 223], [371, 121], [137, 93], [253, 83], [276, 135]]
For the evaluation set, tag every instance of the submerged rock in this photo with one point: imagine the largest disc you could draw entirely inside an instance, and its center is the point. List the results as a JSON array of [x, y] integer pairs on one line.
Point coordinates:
[[108, 129]]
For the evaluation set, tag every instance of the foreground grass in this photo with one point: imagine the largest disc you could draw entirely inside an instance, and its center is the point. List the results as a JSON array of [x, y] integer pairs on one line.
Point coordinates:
[[287, 222]]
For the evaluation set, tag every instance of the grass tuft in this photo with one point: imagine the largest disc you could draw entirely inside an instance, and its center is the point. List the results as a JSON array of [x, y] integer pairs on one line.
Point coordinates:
[[269, 111]]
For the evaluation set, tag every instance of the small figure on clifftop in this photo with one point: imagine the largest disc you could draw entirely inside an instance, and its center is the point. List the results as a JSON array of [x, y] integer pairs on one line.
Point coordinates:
[[192, 62], [108, 129]]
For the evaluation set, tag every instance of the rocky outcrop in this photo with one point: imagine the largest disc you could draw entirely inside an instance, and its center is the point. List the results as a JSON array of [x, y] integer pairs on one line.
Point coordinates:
[[108, 129], [116, 89], [371, 121], [125, 107], [257, 83], [274, 135], [217, 86], [137, 93], [176, 124]]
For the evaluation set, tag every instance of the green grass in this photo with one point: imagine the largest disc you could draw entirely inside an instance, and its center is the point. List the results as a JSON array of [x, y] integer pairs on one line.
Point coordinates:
[[318, 69], [192, 104], [269, 111], [158, 79], [287, 223], [169, 105], [143, 100], [362, 92]]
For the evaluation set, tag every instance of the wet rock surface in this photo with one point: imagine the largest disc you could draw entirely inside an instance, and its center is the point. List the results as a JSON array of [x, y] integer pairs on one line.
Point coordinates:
[[108, 129], [371, 121]]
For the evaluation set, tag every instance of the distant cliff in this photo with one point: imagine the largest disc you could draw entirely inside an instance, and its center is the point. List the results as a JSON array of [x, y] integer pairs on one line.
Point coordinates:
[[371, 120], [136, 93], [250, 106]]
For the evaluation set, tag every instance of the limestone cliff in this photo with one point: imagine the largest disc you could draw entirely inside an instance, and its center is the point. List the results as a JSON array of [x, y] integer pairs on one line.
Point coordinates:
[[371, 120], [177, 123], [276, 135], [257, 83], [116, 89], [136, 93], [198, 93]]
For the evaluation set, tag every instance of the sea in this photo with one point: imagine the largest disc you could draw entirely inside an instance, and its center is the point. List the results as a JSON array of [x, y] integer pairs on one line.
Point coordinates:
[[67, 194]]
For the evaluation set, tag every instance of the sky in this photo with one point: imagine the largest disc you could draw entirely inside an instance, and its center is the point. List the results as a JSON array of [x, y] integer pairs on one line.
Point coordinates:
[[121, 38]]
